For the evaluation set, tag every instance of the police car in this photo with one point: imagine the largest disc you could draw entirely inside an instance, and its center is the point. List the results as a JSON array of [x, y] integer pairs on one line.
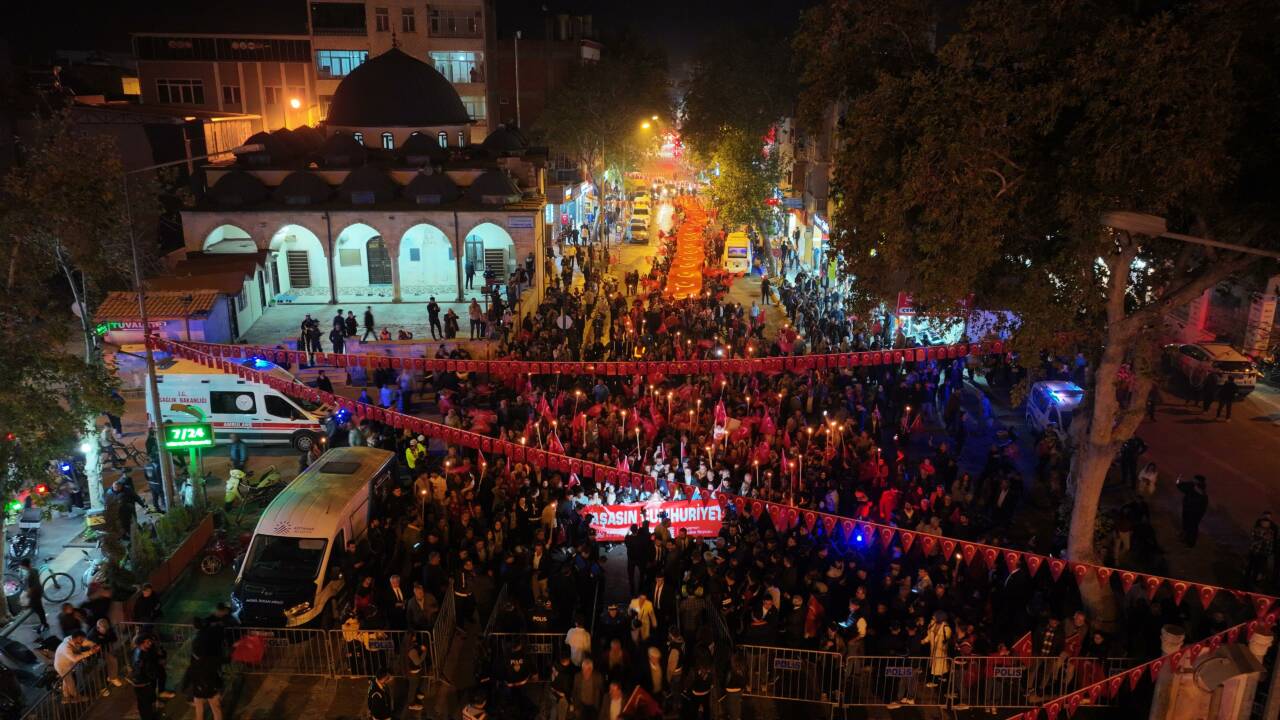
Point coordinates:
[[1052, 404]]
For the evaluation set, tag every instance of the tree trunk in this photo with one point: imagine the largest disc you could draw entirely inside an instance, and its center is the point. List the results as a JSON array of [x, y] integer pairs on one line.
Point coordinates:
[[1097, 444], [93, 466], [78, 294]]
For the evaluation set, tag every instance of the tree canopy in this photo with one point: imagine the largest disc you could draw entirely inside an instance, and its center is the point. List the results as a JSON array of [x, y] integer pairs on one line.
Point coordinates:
[[976, 154], [741, 81], [595, 117]]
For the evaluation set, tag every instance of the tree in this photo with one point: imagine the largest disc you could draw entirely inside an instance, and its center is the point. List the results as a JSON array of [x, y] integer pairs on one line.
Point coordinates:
[[595, 118], [47, 395], [741, 81], [741, 86], [62, 212], [747, 176], [981, 162]]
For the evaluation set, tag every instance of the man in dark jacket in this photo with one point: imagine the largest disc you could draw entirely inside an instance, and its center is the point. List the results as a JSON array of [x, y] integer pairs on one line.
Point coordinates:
[[381, 700], [144, 676], [1226, 397], [1195, 503]]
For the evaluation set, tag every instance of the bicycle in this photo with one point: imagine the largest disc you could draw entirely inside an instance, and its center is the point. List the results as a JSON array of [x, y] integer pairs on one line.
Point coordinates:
[[57, 586], [120, 454]]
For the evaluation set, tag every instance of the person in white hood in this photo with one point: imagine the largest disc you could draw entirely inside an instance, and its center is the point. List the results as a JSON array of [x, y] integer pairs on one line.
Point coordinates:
[[74, 648]]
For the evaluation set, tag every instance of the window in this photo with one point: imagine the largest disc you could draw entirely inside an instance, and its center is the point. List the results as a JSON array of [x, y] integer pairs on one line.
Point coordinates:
[[408, 22], [475, 106], [415, 254], [180, 92], [299, 264], [462, 138], [290, 559], [388, 141], [454, 23], [281, 408], [459, 67], [382, 19], [242, 300], [359, 136], [232, 402], [231, 94], [271, 94], [339, 63], [350, 258], [444, 139]]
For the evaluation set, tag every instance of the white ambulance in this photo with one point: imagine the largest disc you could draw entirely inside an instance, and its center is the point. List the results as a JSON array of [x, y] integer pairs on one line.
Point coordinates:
[[255, 412]]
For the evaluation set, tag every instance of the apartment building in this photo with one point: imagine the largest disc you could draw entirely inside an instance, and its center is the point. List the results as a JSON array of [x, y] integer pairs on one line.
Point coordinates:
[[284, 68], [454, 37]]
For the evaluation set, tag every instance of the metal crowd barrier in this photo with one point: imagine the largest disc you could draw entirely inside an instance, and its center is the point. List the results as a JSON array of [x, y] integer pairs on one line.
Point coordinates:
[[883, 680], [359, 652], [790, 674], [541, 651], [73, 696], [442, 632], [1015, 681]]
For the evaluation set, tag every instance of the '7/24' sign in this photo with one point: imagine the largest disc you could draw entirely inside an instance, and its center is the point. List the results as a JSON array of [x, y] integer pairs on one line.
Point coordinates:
[[188, 435]]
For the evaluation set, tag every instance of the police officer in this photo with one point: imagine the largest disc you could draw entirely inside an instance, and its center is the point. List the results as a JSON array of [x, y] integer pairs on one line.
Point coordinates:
[[614, 626], [381, 702], [540, 617], [518, 675]]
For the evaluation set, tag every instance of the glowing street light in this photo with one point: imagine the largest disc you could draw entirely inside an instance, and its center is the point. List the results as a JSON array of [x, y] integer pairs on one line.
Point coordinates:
[[295, 103], [644, 125]]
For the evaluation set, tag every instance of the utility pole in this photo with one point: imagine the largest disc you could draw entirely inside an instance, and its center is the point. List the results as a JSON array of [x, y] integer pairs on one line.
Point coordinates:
[[166, 474]]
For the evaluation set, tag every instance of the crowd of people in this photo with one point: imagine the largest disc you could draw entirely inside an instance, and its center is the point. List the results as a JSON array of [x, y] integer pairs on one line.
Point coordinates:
[[881, 444]]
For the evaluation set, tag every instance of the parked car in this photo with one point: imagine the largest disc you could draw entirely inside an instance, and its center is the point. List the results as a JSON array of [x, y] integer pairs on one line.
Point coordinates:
[[1051, 405], [1197, 361]]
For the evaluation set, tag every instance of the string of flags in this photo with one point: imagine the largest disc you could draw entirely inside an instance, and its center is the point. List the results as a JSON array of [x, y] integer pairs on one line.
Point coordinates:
[[1110, 687], [505, 368], [782, 515]]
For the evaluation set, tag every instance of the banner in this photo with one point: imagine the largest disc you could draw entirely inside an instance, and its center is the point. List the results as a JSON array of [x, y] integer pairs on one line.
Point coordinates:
[[613, 522]]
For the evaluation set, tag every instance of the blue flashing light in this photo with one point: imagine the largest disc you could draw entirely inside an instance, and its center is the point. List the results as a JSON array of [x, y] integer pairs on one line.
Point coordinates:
[[66, 467], [859, 537], [261, 363]]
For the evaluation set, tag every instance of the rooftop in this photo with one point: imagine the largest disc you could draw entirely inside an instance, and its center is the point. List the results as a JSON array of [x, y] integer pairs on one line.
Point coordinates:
[[122, 306]]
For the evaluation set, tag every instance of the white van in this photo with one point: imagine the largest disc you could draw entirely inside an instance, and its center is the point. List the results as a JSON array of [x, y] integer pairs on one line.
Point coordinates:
[[255, 412], [292, 572]]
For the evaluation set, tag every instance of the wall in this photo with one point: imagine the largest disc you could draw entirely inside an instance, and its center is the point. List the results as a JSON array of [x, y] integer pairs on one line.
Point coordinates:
[[262, 226]]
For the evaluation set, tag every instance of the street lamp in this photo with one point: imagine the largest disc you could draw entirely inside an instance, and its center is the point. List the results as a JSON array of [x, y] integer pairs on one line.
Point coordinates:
[[166, 477], [644, 124], [1155, 226]]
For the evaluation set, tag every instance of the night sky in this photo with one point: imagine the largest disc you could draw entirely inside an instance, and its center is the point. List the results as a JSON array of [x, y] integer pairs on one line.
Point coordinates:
[[40, 28]]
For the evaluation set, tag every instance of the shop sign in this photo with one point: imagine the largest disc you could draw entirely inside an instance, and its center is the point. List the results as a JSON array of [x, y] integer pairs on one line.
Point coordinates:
[[520, 221]]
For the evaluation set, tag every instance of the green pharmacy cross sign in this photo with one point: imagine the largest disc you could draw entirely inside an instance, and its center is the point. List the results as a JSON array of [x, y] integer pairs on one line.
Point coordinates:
[[188, 435]]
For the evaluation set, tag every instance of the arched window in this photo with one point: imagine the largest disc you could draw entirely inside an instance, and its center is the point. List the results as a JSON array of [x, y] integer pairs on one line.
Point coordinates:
[[462, 141], [444, 139], [359, 136], [388, 142]]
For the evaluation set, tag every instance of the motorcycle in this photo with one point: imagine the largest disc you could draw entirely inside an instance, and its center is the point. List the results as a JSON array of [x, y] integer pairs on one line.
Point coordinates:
[[221, 552], [247, 489]]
